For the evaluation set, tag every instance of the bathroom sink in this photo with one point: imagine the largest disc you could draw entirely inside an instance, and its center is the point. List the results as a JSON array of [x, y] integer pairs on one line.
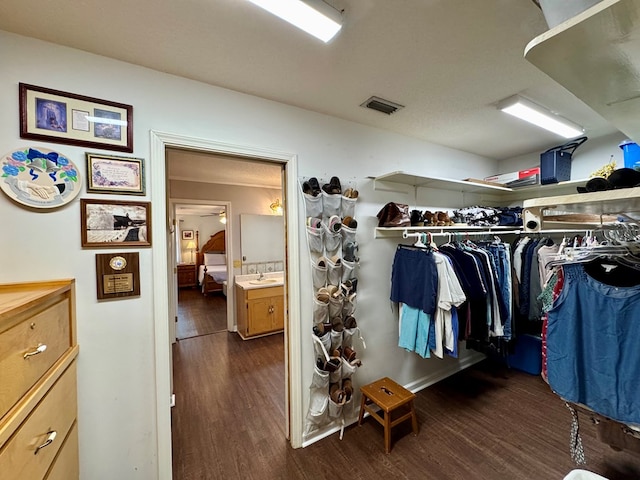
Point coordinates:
[[264, 281]]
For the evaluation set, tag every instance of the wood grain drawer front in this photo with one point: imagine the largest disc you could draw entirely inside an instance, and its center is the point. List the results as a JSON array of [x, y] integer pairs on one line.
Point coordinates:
[[254, 293], [55, 413], [66, 466], [20, 366]]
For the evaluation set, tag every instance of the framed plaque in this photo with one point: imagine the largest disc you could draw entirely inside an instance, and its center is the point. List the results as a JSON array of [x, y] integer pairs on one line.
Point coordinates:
[[117, 275]]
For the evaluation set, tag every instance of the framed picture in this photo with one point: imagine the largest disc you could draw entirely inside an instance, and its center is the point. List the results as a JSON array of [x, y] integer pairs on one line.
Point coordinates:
[[115, 223], [62, 117], [187, 234], [110, 174]]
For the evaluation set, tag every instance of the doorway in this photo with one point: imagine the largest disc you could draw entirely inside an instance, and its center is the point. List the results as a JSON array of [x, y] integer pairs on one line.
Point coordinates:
[[201, 306], [293, 384]]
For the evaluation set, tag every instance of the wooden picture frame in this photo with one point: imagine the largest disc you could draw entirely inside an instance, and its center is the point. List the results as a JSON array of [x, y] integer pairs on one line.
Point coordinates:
[[63, 117], [187, 235], [112, 174], [115, 223], [117, 275]]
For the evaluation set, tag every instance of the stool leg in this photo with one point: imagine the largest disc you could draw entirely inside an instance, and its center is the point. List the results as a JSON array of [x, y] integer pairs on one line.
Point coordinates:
[[414, 419], [362, 403], [387, 432]]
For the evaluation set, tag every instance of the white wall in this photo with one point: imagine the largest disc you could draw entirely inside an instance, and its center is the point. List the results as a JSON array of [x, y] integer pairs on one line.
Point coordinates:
[[116, 362], [243, 200], [205, 226]]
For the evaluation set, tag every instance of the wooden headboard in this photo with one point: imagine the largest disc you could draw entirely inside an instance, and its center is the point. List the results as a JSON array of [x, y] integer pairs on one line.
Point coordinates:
[[216, 244]]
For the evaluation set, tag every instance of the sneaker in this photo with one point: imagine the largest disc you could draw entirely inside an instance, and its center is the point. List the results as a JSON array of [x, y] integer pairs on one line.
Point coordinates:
[[335, 224], [314, 222]]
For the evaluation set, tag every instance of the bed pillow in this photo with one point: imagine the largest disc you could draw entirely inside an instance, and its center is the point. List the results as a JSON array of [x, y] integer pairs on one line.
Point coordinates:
[[215, 259]]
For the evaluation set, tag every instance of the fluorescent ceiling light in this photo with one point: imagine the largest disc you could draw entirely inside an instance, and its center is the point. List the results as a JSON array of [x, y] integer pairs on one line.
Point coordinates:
[[532, 113], [313, 16]]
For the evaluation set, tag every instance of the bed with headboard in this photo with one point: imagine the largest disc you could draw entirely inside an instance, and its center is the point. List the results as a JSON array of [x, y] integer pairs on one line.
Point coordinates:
[[212, 264]]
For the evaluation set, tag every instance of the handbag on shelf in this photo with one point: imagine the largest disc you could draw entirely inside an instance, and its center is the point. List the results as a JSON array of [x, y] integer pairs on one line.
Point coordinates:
[[394, 215]]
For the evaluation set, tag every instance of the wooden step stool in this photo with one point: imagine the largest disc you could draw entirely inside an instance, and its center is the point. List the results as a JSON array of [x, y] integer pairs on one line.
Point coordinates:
[[388, 396]]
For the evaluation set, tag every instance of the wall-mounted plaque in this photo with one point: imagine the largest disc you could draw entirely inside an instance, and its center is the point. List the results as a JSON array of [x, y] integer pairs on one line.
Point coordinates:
[[117, 275]]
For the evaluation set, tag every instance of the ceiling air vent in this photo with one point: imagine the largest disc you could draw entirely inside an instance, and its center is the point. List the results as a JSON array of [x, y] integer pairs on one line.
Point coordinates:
[[382, 105]]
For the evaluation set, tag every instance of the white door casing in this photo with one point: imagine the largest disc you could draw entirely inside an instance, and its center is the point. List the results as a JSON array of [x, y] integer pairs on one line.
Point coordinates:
[[159, 141]]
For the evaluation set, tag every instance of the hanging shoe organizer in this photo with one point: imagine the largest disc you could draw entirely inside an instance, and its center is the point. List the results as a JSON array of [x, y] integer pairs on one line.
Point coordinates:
[[331, 238]]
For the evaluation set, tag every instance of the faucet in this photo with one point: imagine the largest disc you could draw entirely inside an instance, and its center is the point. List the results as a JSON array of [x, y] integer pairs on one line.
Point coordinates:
[[260, 275]]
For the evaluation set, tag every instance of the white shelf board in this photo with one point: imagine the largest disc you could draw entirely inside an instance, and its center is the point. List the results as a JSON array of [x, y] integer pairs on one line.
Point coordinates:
[[405, 178], [596, 56], [612, 202], [552, 189], [463, 186]]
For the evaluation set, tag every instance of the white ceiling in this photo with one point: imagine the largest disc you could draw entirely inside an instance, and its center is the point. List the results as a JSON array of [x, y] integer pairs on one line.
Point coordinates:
[[203, 167], [447, 61]]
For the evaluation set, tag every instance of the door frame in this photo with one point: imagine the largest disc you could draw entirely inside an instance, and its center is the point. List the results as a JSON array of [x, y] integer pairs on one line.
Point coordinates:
[[159, 141], [228, 243]]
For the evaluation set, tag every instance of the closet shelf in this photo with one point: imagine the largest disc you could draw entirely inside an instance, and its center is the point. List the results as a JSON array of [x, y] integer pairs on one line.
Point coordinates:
[[595, 55], [611, 202], [393, 182]]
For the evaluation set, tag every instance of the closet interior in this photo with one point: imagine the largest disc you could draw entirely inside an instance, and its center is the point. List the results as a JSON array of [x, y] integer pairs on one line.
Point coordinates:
[[557, 295]]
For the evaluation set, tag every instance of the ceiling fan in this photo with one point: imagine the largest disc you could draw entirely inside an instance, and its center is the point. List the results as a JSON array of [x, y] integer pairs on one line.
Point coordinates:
[[222, 215]]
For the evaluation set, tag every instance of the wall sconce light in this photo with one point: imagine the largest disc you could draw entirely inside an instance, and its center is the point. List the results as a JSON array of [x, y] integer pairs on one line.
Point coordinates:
[[191, 247], [312, 16], [527, 110], [276, 207], [223, 217]]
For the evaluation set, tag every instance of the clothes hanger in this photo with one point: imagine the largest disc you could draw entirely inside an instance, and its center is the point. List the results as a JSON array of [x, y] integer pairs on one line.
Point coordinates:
[[419, 242]]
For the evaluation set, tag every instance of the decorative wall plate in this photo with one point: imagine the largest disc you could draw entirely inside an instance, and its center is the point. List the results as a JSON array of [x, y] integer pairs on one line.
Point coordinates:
[[39, 177]]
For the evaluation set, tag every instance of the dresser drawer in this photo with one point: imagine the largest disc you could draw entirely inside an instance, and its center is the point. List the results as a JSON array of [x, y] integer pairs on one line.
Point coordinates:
[[20, 368], [65, 466], [20, 457]]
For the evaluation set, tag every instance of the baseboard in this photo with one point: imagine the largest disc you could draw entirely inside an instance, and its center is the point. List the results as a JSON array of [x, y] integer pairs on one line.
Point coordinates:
[[426, 381], [415, 386]]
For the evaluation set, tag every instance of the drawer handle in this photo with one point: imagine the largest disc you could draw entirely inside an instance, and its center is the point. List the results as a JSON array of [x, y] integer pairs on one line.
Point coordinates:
[[51, 436], [39, 349]]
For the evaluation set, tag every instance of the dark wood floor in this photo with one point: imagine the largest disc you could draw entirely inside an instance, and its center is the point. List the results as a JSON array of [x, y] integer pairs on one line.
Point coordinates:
[[199, 314], [483, 423]]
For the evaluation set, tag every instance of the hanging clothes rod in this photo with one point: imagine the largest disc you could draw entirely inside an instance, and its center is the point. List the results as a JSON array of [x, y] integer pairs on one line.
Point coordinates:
[[443, 233]]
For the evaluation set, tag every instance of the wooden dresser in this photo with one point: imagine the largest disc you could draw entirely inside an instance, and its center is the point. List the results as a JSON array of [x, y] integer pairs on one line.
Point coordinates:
[[38, 399]]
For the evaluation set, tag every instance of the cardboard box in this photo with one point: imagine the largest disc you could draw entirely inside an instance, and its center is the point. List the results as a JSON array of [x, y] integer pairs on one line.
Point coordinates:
[[505, 178]]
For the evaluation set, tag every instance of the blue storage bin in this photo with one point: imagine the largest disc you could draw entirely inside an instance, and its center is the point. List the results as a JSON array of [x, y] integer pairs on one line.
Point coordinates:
[[631, 153], [527, 355]]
